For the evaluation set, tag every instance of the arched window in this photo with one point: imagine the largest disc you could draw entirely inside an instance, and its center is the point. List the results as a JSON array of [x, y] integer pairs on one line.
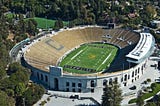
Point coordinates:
[[128, 76], [125, 77], [42, 77], [142, 67], [122, 79], [116, 80], [136, 72], [92, 83], [105, 82], [46, 78], [38, 75], [110, 81], [133, 74]]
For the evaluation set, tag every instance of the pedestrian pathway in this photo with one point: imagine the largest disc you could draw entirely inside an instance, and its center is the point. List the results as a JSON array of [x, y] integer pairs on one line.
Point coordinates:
[[150, 73]]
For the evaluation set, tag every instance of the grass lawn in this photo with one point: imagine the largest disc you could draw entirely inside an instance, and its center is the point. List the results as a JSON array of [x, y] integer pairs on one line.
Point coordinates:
[[91, 56], [46, 23], [42, 22], [147, 95], [10, 15]]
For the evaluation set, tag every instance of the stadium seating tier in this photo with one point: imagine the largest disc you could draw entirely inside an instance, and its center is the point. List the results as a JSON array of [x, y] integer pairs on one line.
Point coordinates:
[[49, 50]]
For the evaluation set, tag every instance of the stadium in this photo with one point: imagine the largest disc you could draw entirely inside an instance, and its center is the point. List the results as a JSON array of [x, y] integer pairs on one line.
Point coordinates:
[[82, 59]]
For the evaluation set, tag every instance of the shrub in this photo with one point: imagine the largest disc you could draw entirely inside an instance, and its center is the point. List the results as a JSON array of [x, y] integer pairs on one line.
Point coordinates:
[[48, 99], [43, 103], [37, 91], [153, 85], [155, 89], [148, 80], [146, 90]]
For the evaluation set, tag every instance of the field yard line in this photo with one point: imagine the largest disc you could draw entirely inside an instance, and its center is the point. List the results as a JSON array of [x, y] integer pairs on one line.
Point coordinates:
[[105, 60], [76, 55]]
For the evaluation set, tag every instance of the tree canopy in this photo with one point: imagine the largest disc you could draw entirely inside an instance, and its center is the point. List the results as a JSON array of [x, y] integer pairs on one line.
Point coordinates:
[[111, 95], [90, 11]]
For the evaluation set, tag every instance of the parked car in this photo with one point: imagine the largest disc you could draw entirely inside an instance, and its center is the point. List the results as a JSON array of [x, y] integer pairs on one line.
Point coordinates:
[[133, 87]]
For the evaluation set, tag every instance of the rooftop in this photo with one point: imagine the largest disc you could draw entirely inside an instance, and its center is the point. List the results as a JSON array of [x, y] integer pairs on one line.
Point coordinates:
[[142, 48]]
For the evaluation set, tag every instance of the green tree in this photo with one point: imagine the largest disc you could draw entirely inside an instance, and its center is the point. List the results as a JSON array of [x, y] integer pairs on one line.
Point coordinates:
[[153, 85], [139, 101], [111, 95], [21, 76], [58, 24], [19, 89], [150, 104], [6, 84], [2, 74], [35, 90], [5, 100], [151, 11], [71, 24], [13, 67], [10, 92], [4, 29], [32, 26]]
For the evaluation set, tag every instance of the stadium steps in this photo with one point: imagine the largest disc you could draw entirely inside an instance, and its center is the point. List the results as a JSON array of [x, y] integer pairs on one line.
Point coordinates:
[[118, 36], [114, 35]]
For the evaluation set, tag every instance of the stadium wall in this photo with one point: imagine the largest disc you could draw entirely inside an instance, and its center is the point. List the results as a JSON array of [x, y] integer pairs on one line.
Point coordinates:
[[57, 80], [14, 51]]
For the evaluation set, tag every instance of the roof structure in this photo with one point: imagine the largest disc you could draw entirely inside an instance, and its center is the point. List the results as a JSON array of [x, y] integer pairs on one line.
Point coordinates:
[[142, 49]]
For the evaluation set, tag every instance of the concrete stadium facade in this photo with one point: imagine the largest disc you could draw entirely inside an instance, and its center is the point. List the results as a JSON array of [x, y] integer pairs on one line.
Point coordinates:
[[57, 79]]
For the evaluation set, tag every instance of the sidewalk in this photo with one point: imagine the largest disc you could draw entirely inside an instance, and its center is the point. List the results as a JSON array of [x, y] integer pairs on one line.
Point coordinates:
[[150, 72]]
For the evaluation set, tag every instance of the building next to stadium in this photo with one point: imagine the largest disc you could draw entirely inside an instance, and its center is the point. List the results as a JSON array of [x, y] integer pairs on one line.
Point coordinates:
[[43, 54]]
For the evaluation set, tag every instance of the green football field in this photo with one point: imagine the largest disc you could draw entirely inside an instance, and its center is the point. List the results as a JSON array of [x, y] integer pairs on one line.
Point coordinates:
[[89, 58]]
